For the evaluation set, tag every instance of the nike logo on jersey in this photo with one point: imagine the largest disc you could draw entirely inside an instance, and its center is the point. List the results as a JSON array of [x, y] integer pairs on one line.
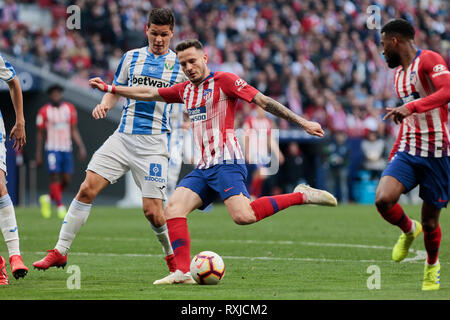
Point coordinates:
[[440, 200], [13, 229], [226, 190]]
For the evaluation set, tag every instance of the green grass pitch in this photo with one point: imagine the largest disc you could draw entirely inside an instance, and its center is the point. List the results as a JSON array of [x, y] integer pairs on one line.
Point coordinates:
[[304, 252]]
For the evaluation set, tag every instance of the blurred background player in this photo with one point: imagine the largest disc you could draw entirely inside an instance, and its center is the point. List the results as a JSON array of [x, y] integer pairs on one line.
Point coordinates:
[[420, 155], [211, 99], [140, 143], [8, 222], [256, 128], [57, 120]]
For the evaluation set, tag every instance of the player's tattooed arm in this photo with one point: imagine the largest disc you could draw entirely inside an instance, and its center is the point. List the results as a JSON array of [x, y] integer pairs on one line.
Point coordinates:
[[274, 107]]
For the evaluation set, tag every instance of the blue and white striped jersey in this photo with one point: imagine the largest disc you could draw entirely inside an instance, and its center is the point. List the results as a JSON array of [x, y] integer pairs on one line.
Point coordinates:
[[139, 67], [176, 115], [7, 71]]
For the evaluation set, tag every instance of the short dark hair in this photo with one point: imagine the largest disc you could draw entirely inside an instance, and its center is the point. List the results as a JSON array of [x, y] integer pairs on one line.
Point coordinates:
[[161, 17], [399, 26], [186, 44], [54, 87]]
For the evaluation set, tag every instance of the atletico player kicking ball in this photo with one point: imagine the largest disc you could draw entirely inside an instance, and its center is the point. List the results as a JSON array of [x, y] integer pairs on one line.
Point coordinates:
[[210, 99], [420, 155]]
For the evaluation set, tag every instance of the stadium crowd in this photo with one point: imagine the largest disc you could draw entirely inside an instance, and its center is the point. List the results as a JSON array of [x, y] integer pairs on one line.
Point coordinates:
[[317, 57]]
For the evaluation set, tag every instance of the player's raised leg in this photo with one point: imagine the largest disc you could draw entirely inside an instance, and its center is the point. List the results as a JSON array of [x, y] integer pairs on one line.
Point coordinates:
[[432, 238], [243, 211], [10, 231], [76, 217], [386, 200], [182, 202]]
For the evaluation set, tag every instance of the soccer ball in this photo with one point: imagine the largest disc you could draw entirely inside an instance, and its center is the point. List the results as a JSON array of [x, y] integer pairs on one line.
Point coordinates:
[[207, 267]]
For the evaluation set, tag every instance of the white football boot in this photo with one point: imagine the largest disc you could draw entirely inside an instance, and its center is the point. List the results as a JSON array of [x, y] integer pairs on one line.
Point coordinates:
[[177, 277], [316, 196]]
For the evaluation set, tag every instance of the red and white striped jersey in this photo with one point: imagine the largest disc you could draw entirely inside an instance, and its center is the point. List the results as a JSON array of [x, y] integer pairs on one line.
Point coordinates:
[[425, 132], [211, 107], [58, 122]]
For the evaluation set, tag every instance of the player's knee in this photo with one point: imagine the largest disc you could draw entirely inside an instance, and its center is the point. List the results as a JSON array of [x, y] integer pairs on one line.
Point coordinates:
[[384, 201], [154, 213], [244, 218], [87, 193], [429, 225], [65, 182], [173, 210]]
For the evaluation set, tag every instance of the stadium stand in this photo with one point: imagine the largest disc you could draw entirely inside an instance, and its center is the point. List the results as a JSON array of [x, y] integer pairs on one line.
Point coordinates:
[[317, 57]]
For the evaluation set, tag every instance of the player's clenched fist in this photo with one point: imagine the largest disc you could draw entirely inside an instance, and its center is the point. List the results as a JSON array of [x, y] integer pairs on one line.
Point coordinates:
[[99, 84], [100, 111]]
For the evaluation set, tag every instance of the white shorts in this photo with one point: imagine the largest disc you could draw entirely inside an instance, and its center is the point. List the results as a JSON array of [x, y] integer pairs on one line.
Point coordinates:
[[145, 155]]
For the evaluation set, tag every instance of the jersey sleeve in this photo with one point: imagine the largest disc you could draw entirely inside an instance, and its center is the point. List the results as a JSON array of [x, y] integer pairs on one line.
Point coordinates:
[[73, 114], [41, 118], [7, 72], [435, 69], [173, 94], [235, 87], [121, 75]]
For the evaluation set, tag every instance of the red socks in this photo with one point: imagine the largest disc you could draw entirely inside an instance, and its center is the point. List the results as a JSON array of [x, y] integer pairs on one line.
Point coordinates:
[[56, 193], [266, 206], [432, 243], [397, 216], [181, 242]]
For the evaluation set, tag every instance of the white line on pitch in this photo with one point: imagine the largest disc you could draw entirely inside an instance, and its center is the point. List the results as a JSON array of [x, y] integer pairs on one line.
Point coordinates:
[[249, 241], [417, 259]]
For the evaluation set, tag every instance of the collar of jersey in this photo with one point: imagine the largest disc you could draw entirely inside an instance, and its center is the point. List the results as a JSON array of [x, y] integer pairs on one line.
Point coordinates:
[[417, 54], [211, 74], [155, 56]]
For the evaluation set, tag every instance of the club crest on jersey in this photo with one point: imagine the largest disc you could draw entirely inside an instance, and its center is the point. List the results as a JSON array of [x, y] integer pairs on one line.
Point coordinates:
[[413, 78], [169, 65], [207, 93], [197, 114]]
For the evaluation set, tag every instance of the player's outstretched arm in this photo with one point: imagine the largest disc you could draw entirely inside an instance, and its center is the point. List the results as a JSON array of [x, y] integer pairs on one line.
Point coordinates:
[[277, 109], [136, 93], [18, 131]]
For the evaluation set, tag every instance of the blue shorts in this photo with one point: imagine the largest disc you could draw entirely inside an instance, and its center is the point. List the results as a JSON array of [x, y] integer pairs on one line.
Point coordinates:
[[225, 180], [431, 174], [59, 161]]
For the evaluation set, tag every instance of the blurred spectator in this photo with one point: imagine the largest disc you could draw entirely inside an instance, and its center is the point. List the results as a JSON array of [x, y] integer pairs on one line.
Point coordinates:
[[338, 158], [292, 171], [374, 151]]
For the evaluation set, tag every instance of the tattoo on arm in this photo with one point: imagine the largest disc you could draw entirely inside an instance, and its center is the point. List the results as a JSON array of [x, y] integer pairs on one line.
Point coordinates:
[[279, 110]]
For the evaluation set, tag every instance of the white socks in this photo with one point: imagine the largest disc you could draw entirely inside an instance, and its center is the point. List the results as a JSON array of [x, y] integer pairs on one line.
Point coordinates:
[[76, 216], [8, 225], [162, 234], [413, 228]]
